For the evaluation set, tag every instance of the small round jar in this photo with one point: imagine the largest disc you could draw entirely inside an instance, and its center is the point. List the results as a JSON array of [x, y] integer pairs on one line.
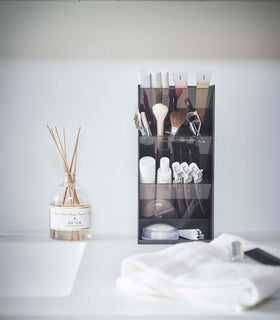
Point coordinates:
[[160, 231]]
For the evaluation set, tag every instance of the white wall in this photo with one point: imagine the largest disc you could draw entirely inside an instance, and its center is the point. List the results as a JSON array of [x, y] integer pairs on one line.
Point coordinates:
[[77, 64]]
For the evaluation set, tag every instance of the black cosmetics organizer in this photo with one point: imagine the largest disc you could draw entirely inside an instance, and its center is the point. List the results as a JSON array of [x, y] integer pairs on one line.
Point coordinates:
[[189, 205]]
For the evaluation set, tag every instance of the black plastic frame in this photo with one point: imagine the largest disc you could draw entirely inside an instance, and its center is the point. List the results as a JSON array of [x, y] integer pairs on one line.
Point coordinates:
[[206, 225]]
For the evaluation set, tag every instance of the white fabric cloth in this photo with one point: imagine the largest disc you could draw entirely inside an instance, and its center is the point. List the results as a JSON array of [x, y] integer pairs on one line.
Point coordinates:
[[202, 273]]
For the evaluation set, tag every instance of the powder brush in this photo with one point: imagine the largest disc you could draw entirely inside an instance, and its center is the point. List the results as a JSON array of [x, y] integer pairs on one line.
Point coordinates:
[[177, 119], [160, 112]]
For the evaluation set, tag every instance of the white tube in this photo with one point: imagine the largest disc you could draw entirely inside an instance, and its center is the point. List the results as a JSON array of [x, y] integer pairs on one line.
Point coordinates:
[[145, 79], [156, 80], [164, 79], [147, 167], [164, 173]]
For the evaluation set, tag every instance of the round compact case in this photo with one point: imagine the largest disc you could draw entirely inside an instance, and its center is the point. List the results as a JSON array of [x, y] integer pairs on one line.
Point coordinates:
[[160, 231], [163, 231]]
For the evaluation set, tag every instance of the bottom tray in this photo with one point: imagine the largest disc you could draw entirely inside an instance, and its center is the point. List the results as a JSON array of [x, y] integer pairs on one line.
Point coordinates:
[[180, 240], [204, 225]]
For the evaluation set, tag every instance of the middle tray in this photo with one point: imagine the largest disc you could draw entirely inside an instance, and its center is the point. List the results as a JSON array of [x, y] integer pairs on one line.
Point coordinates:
[[150, 145], [175, 200], [174, 190]]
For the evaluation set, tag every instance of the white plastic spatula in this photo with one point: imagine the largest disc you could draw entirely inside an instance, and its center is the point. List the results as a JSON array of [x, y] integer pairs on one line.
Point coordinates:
[[160, 112]]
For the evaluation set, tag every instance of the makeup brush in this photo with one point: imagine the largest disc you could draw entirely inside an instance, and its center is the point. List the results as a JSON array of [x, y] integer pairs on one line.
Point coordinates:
[[160, 111], [146, 124], [177, 119]]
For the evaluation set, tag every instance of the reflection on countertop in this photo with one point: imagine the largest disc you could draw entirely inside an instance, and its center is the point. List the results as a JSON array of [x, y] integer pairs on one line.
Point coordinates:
[[88, 272]]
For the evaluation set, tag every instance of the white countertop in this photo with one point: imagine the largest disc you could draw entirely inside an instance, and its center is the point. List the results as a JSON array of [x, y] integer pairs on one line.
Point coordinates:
[[94, 294]]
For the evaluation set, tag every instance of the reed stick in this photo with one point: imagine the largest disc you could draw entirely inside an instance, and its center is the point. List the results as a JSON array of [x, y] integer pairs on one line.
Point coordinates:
[[62, 151], [60, 155], [64, 143], [74, 161], [75, 149], [65, 193], [74, 158]]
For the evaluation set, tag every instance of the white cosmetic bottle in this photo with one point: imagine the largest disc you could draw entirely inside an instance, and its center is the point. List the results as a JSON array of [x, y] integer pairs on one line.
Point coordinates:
[[164, 174], [147, 168], [163, 205]]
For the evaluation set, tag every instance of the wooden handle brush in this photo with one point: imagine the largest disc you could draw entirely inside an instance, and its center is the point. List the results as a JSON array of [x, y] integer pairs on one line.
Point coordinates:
[[160, 112], [177, 118]]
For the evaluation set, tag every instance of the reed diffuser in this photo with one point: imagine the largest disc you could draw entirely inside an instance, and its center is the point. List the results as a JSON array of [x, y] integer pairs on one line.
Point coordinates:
[[70, 210]]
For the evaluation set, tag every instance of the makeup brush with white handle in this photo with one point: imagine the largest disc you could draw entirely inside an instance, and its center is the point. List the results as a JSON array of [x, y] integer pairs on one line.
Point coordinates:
[[160, 112]]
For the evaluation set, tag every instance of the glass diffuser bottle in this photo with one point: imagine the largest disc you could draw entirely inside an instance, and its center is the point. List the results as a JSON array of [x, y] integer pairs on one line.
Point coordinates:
[[70, 209]]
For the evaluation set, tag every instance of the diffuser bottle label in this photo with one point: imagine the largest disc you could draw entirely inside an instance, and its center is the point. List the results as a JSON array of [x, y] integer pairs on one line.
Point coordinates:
[[70, 218]]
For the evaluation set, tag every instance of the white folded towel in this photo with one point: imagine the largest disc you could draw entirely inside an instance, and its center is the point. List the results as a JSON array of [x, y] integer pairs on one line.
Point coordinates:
[[202, 273]]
